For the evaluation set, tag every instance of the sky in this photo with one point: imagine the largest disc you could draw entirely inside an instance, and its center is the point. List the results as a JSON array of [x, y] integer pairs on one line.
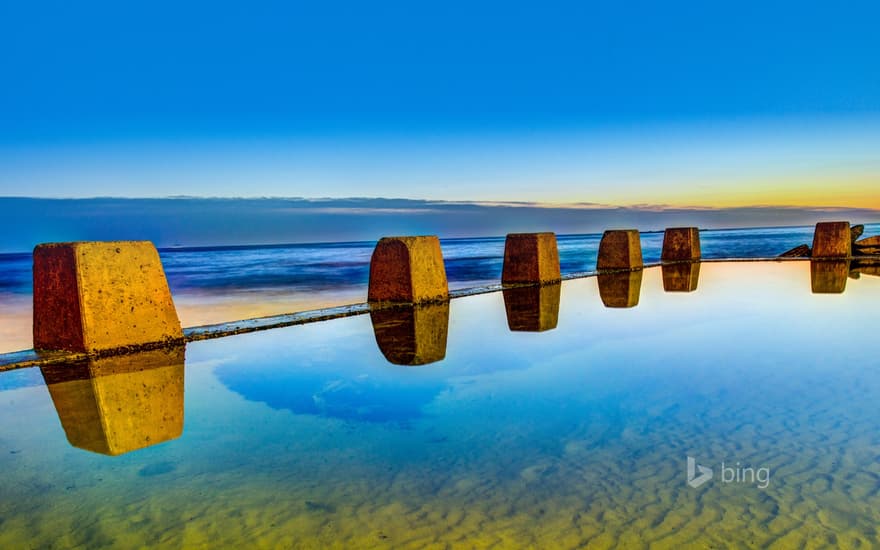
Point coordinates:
[[681, 104]]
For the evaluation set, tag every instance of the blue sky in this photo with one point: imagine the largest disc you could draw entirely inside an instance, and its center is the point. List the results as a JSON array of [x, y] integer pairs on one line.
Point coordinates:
[[686, 103]]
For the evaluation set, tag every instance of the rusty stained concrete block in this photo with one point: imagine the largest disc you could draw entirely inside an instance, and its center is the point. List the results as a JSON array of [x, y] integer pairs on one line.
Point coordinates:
[[118, 404], [532, 308], [829, 276], [680, 277], [620, 289], [620, 249], [99, 296], [680, 244], [407, 270], [832, 240], [530, 258], [412, 335]]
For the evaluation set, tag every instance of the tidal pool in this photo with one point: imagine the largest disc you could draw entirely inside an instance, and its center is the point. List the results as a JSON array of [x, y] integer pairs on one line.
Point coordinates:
[[554, 417]]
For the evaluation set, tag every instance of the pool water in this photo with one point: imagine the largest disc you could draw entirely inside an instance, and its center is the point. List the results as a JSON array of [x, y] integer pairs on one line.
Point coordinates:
[[554, 417]]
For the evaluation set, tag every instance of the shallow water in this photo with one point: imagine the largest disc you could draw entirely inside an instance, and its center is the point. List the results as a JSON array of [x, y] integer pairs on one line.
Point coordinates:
[[507, 420]]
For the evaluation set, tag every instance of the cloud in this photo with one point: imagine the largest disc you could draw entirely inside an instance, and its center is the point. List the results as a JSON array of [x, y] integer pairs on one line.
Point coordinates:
[[190, 221]]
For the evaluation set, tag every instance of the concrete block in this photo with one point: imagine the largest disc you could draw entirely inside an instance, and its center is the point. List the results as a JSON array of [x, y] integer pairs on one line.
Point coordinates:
[[118, 404], [681, 277], [100, 296], [620, 289], [530, 258], [620, 249], [408, 270], [828, 276], [532, 308], [832, 240], [681, 243], [412, 335]]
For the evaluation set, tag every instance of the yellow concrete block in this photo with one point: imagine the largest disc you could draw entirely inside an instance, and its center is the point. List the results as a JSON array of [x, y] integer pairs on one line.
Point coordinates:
[[530, 258], [620, 249], [118, 404], [412, 335], [532, 308], [620, 288], [100, 296], [408, 270], [829, 276], [681, 243], [832, 240], [681, 277]]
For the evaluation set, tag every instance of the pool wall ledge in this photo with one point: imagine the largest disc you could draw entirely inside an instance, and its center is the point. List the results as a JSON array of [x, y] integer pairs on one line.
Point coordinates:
[[681, 244], [94, 297], [407, 270], [832, 240], [620, 249], [530, 258]]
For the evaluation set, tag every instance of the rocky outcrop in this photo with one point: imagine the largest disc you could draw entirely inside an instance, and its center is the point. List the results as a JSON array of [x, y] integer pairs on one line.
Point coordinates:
[[867, 247], [800, 251]]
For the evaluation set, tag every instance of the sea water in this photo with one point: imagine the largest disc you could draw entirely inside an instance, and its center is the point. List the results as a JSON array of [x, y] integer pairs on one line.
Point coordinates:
[[220, 284]]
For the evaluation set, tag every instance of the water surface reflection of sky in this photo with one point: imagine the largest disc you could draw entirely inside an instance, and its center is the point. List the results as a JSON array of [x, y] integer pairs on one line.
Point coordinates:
[[369, 432]]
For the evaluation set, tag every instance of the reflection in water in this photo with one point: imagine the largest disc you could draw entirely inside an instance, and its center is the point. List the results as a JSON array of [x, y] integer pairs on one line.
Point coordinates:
[[550, 441], [621, 288], [864, 267], [829, 276], [355, 394], [681, 277], [413, 335], [119, 404], [532, 308]]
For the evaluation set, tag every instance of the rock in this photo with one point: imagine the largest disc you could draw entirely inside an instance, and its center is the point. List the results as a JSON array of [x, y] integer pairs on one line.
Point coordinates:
[[801, 251], [867, 247], [856, 231]]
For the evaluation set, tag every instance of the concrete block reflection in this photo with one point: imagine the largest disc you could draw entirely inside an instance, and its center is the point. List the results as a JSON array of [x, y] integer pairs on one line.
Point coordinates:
[[532, 308], [681, 277], [119, 404], [412, 335], [620, 289], [829, 277]]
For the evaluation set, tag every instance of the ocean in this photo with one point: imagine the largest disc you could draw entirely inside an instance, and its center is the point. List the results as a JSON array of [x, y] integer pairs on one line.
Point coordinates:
[[226, 283]]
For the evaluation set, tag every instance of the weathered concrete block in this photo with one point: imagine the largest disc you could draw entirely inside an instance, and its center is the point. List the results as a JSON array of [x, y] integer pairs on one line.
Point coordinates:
[[832, 240], [118, 404], [99, 296], [532, 308], [412, 335], [828, 276], [620, 288], [681, 243], [681, 277], [530, 258], [408, 270], [620, 249]]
